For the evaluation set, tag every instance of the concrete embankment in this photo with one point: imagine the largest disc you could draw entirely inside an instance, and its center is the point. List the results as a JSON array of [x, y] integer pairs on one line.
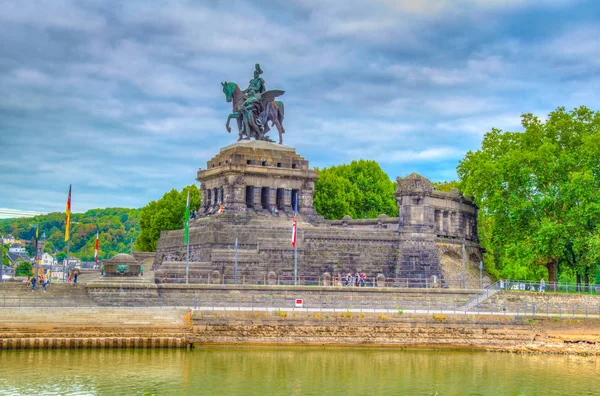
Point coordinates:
[[167, 327], [40, 328], [487, 332]]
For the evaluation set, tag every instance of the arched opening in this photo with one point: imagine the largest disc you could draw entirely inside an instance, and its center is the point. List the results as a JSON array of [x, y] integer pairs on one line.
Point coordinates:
[[295, 196], [264, 197], [279, 198], [250, 196]]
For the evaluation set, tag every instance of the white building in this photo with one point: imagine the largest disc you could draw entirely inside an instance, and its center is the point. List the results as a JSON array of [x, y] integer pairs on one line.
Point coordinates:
[[14, 248], [48, 259], [74, 262]]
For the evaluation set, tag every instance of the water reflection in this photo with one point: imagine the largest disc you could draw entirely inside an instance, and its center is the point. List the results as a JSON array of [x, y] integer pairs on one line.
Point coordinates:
[[293, 371]]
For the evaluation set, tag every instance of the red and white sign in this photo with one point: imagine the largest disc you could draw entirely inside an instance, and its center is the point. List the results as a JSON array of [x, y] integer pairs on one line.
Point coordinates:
[[299, 303]]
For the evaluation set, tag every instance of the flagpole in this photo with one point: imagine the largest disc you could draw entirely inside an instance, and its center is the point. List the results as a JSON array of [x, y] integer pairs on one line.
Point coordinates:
[[296, 261], [67, 234], [296, 242], [187, 235], [37, 254], [66, 268], [235, 277]]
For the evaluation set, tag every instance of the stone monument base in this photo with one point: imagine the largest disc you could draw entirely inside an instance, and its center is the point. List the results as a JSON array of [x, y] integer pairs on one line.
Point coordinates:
[[123, 291]]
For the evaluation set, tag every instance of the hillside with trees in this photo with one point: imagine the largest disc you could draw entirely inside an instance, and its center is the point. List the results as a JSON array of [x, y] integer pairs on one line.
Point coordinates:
[[116, 227]]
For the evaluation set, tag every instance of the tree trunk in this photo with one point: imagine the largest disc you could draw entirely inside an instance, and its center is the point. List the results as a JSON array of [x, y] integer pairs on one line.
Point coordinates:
[[552, 270], [587, 276]]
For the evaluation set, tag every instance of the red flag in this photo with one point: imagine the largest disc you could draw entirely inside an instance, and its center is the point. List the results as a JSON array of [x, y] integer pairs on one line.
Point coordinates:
[[96, 252], [294, 226]]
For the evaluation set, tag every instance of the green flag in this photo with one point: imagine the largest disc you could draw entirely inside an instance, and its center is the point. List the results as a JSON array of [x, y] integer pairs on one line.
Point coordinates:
[[186, 231]]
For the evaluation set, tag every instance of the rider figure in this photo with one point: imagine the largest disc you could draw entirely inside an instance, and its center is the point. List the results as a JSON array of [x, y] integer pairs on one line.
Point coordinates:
[[251, 109], [257, 84]]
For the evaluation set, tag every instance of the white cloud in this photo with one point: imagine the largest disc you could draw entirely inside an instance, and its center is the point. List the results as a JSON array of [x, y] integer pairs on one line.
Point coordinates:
[[123, 99], [63, 14]]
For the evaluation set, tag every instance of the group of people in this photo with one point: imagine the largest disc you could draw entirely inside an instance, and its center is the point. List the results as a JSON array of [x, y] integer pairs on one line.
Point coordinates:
[[33, 281], [72, 279], [358, 279]]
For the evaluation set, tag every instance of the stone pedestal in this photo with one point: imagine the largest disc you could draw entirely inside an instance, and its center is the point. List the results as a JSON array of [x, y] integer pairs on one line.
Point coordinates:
[[261, 165]]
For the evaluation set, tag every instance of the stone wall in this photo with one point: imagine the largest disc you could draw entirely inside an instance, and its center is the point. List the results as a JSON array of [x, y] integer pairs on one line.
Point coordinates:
[[568, 302], [314, 297], [152, 328], [510, 334], [247, 181]]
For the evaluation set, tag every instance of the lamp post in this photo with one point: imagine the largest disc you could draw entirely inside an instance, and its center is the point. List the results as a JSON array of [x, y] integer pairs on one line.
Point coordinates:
[[464, 266]]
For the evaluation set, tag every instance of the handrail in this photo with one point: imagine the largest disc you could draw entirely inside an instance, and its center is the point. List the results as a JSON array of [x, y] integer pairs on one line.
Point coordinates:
[[484, 294]]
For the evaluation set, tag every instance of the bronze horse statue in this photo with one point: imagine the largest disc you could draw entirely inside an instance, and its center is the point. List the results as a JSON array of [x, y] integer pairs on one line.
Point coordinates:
[[273, 112]]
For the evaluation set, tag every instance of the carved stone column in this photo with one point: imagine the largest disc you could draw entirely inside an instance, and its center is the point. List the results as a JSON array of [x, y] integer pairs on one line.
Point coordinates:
[[305, 196], [272, 198], [257, 198], [287, 200], [203, 197]]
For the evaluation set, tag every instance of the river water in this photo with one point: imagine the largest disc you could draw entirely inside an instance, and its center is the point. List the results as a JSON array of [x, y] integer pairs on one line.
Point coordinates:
[[294, 371]]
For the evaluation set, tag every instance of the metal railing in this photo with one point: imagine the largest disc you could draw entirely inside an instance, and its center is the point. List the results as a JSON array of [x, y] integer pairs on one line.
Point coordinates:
[[554, 287], [483, 295], [285, 280]]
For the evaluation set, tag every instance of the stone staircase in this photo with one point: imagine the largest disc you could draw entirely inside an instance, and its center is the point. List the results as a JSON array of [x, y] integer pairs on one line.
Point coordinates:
[[34, 328], [95, 317], [17, 294], [478, 299]]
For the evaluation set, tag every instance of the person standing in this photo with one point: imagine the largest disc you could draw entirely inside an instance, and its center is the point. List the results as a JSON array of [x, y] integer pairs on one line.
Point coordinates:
[[33, 283], [542, 286], [75, 277], [44, 283]]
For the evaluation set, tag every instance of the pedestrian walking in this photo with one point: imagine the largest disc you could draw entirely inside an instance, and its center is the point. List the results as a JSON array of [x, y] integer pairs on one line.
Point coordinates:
[[33, 283], [75, 277], [45, 282], [542, 286]]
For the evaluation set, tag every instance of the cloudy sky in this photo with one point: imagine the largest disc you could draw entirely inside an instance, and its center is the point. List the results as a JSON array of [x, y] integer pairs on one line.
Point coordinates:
[[123, 99]]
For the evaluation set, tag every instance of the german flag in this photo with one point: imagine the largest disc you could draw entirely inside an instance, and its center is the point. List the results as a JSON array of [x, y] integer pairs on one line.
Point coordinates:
[[68, 222]]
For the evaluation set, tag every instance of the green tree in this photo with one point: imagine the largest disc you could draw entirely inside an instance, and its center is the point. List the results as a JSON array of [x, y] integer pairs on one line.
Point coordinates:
[[445, 186], [5, 260], [24, 269], [360, 189], [165, 214], [537, 194]]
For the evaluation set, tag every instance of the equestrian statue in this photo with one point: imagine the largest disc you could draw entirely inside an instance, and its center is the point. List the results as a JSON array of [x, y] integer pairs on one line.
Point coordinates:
[[254, 108]]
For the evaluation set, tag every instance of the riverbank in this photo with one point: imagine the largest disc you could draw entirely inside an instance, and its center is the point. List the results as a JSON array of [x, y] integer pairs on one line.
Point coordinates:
[[29, 328]]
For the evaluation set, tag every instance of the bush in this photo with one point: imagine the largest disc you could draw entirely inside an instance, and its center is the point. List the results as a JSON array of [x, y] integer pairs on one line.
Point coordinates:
[[24, 269]]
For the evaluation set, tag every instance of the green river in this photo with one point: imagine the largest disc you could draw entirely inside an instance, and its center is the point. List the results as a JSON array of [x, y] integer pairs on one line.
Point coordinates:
[[294, 371]]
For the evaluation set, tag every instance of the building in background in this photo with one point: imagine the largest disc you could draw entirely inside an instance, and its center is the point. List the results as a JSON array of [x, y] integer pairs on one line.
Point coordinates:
[[48, 259]]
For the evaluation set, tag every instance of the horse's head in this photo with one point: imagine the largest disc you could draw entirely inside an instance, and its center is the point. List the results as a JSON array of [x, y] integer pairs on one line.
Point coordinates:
[[228, 90]]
